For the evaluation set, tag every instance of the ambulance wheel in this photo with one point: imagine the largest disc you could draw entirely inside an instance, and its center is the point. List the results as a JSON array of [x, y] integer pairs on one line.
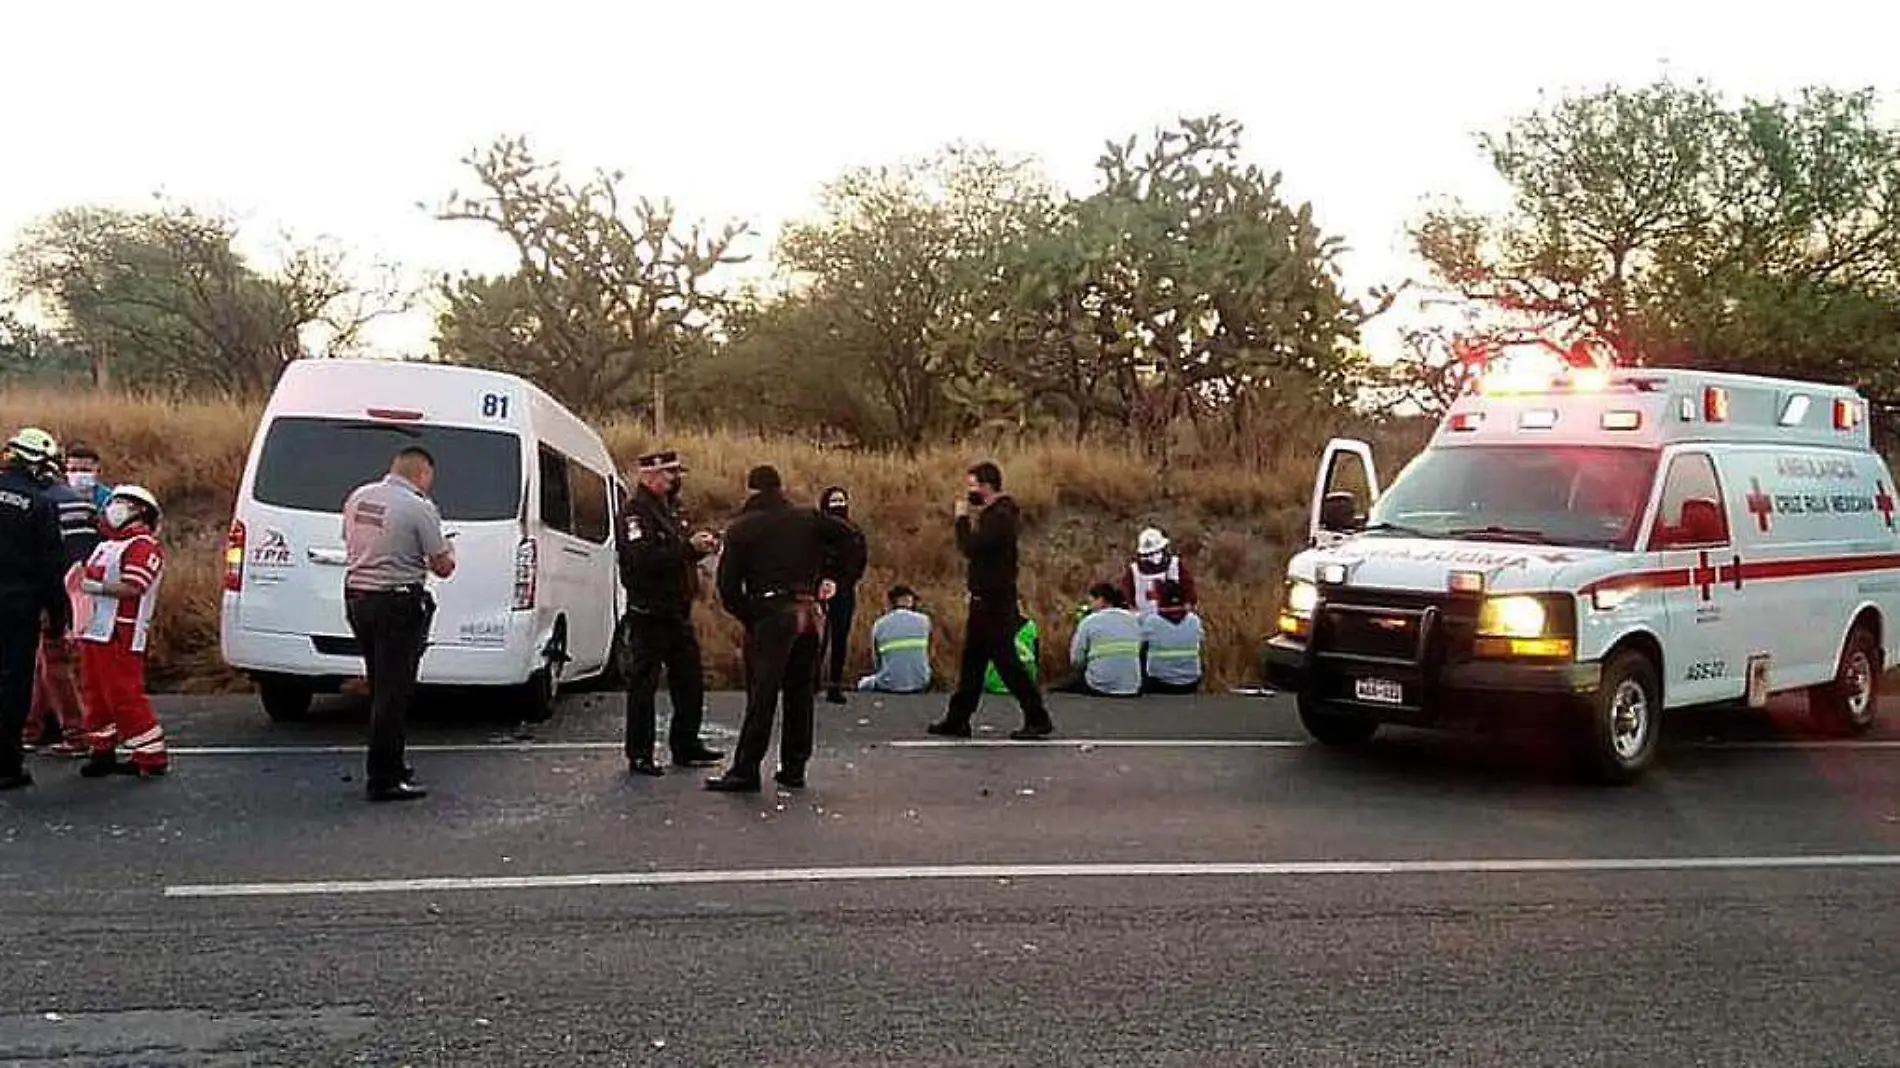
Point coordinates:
[[1623, 720], [1336, 728], [1849, 704], [285, 700]]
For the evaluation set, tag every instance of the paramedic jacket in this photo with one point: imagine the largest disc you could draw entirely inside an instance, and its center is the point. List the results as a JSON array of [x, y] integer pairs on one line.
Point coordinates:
[[32, 557], [78, 522]]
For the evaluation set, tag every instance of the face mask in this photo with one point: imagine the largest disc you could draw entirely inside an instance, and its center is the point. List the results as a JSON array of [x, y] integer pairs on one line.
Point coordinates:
[[976, 499], [838, 508], [82, 480], [1153, 558], [119, 514]]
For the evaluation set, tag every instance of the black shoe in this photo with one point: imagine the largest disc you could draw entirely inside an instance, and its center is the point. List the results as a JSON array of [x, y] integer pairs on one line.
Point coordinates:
[[698, 758], [1030, 734], [834, 696], [16, 780], [733, 784], [945, 729], [790, 780], [101, 765], [409, 775], [402, 791], [648, 766]]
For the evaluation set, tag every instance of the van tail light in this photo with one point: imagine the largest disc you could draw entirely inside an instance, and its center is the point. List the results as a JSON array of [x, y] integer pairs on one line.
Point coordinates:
[[234, 557], [527, 571]]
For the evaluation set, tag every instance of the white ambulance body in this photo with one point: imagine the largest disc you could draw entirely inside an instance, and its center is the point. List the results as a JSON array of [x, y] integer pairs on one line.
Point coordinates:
[[528, 495], [1594, 547]]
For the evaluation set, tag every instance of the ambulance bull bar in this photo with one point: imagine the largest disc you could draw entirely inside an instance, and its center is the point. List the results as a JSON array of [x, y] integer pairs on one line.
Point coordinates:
[[1422, 647]]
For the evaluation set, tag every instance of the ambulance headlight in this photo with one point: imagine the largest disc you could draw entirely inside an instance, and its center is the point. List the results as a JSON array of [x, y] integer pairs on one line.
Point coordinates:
[[1296, 609], [1512, 617]]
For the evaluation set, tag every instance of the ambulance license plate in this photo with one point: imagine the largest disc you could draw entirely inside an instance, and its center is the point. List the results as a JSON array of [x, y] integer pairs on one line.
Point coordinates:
[[1378, 691]]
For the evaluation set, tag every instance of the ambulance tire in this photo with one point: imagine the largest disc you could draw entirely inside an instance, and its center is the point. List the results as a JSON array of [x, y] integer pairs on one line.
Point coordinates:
[[286, 699], [1850, 704], [1335, 728], [1622, 721]]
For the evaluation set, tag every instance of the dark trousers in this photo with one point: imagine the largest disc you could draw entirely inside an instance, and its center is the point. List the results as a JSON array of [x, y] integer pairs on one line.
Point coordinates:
[[393, 629], [838, 612], [19, 653], [989, 637], [1172, 689], [781, 662], [655, 643]]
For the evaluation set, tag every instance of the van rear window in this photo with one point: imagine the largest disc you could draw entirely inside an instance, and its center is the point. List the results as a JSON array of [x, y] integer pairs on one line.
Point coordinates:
[[312, 464]]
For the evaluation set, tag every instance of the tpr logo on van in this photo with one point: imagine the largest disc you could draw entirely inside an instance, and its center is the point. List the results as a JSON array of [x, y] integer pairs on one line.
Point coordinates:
[[272, 553]]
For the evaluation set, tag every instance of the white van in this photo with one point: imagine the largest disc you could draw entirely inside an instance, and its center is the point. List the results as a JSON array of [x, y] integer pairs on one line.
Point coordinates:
[[527, 492], [1594, 547]]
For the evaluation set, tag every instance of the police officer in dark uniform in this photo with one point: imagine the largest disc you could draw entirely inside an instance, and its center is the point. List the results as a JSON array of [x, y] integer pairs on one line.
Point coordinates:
[[393, 540], [772, 579], [659, 560], [32, 589]]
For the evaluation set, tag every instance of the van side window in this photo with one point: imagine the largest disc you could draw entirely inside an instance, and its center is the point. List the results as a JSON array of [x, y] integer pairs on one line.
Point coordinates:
[[591, 519], [557, 506], [1692, 514]]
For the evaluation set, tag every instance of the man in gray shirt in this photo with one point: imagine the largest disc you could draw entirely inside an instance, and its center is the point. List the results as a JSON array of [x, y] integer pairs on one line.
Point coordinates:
[[393, 538], [900, 640]]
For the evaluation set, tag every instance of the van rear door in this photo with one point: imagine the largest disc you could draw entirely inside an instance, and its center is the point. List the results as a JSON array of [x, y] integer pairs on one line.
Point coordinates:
[[307, 466]]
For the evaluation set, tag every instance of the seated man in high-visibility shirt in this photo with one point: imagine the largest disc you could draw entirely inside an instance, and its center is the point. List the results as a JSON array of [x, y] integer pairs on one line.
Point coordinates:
[[900, 644], [1171, 644], [1105, 654]]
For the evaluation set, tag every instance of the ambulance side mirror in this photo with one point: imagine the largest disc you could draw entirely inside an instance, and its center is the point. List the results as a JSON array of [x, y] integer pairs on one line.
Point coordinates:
[[1344, 492]]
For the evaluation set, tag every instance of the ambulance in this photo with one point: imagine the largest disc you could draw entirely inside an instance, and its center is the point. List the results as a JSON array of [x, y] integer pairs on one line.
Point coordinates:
[[1588, 547]]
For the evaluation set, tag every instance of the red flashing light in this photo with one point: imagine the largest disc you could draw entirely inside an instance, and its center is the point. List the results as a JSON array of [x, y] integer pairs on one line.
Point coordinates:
[[1715, 404], [398, 414], [1847, 414], [234, 557], [1465, 422]]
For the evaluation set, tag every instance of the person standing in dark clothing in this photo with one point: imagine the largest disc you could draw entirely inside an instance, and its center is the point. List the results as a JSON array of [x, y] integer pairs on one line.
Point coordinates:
[[659, 561], [772, 579], [33, 599], [836, 503], [987, 522]]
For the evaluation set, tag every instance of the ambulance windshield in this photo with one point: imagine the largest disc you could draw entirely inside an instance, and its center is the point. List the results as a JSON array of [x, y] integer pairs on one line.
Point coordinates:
[[1581, 496]]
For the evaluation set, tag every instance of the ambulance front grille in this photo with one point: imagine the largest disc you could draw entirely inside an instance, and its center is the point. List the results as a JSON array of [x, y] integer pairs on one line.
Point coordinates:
[[1395, 627]]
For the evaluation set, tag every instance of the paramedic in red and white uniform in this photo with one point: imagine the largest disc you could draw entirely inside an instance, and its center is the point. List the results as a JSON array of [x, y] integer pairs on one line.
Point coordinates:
[[122, 577], [1153, 565]]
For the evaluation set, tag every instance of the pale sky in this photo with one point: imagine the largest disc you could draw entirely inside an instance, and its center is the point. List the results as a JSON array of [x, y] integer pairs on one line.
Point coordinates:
[[337, 118]]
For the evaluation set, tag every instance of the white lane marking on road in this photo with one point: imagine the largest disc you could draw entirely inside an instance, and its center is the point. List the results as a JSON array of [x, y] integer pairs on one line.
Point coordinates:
[[951, 743], [1101, 743], [1271, 869]]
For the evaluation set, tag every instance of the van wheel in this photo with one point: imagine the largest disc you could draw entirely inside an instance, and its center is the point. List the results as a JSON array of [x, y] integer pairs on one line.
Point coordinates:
[[542, 691], [285, 700], [1850, 703], [1623, 720], [1336, 728]]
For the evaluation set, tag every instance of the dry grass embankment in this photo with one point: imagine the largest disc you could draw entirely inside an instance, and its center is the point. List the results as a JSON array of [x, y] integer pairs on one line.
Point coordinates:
[[1231, 510]]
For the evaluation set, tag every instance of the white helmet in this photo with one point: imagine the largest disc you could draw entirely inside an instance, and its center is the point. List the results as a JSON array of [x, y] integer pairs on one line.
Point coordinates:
[[33, 447], [1151, 542], [142, 496]]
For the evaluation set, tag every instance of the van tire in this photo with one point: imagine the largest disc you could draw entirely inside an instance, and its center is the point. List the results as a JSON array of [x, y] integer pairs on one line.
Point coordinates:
[[1622, 721], [285, 700], [537, 697], [1340, 729], [1850, 704]]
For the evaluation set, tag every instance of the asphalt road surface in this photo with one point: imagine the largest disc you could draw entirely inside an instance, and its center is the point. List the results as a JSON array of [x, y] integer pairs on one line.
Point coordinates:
[[1169, 882]]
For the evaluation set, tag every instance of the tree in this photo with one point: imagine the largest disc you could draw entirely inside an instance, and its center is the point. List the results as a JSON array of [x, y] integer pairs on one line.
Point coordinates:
[[28, 353], [604, 301], [1763, 236], [163, 299], [896, 272]]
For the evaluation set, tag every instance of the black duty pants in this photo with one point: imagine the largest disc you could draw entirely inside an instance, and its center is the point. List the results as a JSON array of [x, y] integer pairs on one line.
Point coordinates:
[[19, 649], [393, 628], [780, 662], [838, 612], [655, 643], [989, 637]]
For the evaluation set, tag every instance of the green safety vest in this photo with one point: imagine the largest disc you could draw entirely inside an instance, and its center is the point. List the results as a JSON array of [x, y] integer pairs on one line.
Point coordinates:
[[1025, 652]]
